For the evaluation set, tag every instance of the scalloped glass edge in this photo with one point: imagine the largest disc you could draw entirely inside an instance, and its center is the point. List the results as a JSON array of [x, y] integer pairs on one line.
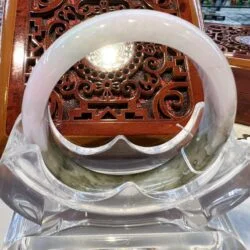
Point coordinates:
[[29, 174]]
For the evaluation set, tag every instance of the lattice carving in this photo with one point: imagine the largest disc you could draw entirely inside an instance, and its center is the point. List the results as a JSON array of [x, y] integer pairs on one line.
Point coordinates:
[[132, 93], [228, 38], [153, 86]]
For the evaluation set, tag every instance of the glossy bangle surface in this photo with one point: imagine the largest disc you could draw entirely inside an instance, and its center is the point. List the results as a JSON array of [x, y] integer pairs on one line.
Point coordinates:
[[218, 81]]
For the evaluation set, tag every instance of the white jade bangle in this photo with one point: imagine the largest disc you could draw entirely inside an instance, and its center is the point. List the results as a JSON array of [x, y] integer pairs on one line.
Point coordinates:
[[131, 26]]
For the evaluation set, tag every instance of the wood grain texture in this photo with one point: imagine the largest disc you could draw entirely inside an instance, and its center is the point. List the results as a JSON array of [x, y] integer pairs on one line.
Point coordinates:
[[5, 65], [242, 77]]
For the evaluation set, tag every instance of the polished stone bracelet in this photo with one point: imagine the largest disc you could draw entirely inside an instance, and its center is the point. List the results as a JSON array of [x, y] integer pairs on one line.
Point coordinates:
[[195, 150]]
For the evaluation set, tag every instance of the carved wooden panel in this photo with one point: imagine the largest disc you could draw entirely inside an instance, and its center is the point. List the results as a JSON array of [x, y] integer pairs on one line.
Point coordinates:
[[157, 86], [232, 40]]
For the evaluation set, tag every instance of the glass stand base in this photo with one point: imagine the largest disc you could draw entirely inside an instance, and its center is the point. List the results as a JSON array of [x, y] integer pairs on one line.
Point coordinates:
[[177, 241], [228, 232]]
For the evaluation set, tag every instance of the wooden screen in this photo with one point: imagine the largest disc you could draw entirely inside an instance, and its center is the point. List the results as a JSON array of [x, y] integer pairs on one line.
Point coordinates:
[[234, 41], [155, 90]]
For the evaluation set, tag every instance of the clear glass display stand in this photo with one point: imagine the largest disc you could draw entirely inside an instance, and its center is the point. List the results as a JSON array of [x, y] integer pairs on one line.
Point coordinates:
[[230, 232], [185, 201], [218, 219]]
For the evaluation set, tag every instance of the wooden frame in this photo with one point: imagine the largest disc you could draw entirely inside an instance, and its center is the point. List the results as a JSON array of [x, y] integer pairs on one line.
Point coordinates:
[[5, 64]]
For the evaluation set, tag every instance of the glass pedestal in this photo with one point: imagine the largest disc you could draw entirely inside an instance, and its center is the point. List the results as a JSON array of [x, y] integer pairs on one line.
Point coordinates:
[[229, 232], [70, 197]]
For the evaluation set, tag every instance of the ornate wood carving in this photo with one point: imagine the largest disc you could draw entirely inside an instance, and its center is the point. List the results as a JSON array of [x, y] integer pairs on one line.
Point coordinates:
[[232, 40], [158, 86], [235, 43], [139, 91]]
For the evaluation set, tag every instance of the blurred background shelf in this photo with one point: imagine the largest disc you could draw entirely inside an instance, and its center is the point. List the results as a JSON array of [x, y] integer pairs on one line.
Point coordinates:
[[226, 12], [225, 3]]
